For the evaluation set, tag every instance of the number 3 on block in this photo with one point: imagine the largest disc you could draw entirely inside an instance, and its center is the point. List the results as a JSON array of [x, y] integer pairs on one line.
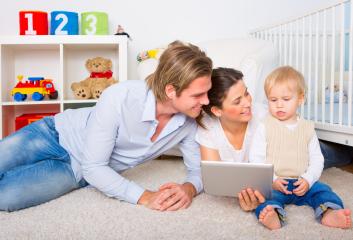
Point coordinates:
[[94, 23]]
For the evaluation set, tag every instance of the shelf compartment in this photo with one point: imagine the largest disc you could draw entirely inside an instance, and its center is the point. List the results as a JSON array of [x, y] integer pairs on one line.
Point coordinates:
[[27, 60], [75, 57], [9, 114]]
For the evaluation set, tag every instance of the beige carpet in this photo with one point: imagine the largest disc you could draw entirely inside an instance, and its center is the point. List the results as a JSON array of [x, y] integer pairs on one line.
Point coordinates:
[[88, 214]]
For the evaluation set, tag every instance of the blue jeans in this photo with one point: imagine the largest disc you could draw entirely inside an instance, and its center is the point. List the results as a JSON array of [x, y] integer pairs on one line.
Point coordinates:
[[319, 197], [336, 155], [34, 168]]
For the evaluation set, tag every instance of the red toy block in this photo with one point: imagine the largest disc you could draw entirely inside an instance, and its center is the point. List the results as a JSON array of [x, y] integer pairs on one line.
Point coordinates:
[[33, 23], [26, 119]]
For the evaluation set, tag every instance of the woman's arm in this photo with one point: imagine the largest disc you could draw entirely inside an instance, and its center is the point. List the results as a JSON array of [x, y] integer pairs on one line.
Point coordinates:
[[209, 154]]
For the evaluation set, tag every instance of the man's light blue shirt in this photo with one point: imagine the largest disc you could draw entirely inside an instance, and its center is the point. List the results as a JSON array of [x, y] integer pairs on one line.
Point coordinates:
[[115, 135]]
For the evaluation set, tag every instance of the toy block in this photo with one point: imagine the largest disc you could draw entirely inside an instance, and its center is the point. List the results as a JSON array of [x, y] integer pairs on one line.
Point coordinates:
[[94, 23], [63, 23], [33, 23], [25, 119]]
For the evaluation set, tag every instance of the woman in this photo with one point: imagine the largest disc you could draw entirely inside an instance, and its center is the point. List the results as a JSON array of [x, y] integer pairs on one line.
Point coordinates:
[[225, 132]]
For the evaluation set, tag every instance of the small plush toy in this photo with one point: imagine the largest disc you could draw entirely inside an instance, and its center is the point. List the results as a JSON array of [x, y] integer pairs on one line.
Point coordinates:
[[336, 94], [100, 78], [152, 53], [121, 31]]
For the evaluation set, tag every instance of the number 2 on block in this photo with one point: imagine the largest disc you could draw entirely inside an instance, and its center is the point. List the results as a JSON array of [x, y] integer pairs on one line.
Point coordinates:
[[59, 30]]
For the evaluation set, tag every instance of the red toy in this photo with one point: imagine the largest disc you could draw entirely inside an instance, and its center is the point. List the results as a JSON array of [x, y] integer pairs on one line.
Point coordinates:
[[26, 119], [33, 23], [37, 86]]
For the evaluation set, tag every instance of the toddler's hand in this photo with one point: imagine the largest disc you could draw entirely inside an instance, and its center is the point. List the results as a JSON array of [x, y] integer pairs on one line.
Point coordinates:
[[281, 185], [302, 187]]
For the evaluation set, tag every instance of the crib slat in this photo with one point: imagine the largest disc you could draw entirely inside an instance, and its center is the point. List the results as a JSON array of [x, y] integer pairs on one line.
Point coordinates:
[[290, 44], [285, 39], [323, 83], [297, 46], [310, 66], [280, 44], [303, 58], [333, 22], [316, 90], [350, 74], [340, 105]]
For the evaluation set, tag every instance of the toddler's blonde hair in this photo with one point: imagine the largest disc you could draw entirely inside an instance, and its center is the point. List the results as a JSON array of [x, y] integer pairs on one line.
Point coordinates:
[[285, 75]]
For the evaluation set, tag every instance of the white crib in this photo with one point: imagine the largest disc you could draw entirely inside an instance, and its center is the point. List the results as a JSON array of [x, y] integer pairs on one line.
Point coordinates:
[[320, 45]]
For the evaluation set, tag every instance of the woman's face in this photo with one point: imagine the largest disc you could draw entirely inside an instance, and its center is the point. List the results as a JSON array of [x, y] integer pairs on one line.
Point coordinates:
[[237, 104]]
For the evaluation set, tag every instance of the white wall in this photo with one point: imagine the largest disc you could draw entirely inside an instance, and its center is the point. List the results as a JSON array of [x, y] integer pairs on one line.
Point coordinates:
[[154, 23]]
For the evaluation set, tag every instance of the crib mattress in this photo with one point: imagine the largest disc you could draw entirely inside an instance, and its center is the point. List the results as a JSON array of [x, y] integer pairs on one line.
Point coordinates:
[[311, 116]]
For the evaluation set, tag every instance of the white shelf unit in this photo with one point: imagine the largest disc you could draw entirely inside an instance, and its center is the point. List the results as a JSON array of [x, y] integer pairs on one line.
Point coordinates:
[[60, 58]]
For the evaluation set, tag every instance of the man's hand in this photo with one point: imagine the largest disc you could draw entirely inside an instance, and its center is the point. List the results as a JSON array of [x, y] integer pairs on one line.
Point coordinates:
[[169, 197], [176, 196], [302, 187], [249, 199], [150, 200], [281, 185]]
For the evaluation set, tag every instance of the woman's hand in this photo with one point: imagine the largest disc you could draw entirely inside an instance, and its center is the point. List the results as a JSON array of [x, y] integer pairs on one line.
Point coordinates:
[[249, 199]]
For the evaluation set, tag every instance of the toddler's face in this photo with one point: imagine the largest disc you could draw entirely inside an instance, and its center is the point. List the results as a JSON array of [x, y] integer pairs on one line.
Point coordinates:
[[284, 101]]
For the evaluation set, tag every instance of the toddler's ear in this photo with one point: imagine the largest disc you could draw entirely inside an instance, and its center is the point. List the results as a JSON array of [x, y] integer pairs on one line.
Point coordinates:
[[301, 99]]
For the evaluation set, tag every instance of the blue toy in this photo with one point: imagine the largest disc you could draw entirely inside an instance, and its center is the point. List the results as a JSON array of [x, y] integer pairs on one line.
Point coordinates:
[[336, 95], [64, 23]]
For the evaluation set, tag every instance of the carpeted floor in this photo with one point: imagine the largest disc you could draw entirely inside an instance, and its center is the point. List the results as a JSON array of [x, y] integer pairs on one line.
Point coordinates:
[[88, 214]]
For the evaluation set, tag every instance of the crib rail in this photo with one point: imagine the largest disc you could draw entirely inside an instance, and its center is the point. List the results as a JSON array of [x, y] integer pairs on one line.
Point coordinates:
[[320, 45]]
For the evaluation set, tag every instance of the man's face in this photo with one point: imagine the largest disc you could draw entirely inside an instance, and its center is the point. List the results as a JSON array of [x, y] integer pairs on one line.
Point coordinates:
[[193, 97]]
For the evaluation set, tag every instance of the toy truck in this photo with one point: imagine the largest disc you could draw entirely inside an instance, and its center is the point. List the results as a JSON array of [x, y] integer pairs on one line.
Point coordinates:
[[37, 86]]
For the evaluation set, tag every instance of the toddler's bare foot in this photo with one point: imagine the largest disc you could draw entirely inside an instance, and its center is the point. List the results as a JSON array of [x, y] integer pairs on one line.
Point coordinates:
[[337, 218], [269, 218]]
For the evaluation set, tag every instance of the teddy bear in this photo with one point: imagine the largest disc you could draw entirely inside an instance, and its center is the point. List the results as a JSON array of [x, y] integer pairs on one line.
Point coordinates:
[[100, 78]]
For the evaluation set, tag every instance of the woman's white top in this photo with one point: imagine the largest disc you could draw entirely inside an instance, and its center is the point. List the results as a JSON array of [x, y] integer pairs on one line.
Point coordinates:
[[214, 137]]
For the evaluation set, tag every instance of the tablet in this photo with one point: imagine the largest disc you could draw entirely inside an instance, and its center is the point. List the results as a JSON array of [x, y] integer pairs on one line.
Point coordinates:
[[229, 178]]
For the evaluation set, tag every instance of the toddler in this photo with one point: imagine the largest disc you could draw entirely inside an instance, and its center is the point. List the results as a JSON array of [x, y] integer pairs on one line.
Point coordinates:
[[290, 143]]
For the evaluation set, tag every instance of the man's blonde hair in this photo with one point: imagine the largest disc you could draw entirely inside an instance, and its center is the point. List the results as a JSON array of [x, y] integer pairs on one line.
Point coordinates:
[[179, 65], [285, 75]]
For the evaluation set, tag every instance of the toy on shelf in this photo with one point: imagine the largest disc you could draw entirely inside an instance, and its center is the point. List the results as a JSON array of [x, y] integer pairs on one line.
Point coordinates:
[[37, 86], [94, 23], [100, 78], [121, 31], [33, 23], [152, 53], [25, 119]]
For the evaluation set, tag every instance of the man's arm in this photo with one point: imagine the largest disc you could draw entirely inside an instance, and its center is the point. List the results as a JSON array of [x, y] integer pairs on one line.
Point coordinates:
[[102, 131], [174, 196]]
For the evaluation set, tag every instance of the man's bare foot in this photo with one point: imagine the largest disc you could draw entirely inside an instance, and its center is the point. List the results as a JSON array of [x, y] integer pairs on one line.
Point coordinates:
[[337, 218], [269, 218]]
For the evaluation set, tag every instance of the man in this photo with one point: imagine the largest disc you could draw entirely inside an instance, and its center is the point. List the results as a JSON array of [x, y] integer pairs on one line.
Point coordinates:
[[133, 122]]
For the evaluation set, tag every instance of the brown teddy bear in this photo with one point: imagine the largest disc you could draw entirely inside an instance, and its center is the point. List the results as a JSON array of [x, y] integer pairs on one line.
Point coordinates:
[[100, 78]]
